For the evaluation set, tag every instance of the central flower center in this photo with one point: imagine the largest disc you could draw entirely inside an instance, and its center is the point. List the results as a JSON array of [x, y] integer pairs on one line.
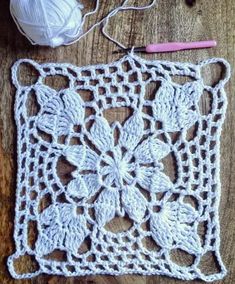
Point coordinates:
[[117, 168], [120, 167]]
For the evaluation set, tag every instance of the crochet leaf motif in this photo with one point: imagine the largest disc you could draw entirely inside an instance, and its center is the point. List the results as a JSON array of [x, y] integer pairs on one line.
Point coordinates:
[[78, 172], [172, 227], [173, 105], [60, 113], [53, 235]]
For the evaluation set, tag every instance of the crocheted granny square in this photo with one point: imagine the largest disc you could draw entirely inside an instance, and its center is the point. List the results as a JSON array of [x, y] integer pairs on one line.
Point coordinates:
[[117, 171]]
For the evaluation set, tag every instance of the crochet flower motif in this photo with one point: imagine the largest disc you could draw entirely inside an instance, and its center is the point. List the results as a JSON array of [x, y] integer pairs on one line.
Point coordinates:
[[172, 227], [60, 228], [60, 112], [118, 169], [174, 106]]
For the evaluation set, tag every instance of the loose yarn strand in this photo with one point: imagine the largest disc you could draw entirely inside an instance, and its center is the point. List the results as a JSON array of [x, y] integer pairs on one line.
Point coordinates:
[[122, 8], [106, 19]]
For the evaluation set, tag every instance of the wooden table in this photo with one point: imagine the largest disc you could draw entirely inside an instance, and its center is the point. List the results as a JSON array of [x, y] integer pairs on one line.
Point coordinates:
[[169, 21]]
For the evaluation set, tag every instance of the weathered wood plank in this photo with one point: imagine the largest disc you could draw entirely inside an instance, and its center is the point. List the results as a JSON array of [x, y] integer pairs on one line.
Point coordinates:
[[168, 21]]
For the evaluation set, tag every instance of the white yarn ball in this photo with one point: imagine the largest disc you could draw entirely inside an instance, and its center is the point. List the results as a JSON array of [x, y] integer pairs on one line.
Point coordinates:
[[48, 22]]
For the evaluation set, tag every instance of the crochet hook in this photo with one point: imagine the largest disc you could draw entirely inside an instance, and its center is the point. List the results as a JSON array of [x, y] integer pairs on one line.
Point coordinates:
[[171, 46]]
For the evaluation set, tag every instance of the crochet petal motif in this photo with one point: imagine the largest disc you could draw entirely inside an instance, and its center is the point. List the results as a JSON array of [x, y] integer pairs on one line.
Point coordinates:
[[132, 131], [151, 149], [160, 182], [106, 205], [75, 155], [49, 240], [77, 188], [44, 94], [102, 134], [99, 192], [134, 203]]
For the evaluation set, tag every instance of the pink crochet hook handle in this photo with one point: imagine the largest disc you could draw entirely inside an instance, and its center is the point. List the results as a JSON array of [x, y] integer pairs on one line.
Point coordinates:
[[176, 46]]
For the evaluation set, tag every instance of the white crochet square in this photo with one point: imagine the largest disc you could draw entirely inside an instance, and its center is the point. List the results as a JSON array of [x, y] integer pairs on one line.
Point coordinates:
[[117, 169]]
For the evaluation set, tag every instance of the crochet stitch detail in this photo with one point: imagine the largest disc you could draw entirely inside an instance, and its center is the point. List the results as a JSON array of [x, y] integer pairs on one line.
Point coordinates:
[[117, 169]]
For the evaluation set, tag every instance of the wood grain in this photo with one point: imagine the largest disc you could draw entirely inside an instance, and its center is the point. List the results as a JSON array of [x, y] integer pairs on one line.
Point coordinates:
[[169, 21]]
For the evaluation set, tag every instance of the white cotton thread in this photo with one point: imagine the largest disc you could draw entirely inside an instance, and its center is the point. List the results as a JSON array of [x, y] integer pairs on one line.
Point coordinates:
[[47, 22], [54, 23], [123, 177]]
